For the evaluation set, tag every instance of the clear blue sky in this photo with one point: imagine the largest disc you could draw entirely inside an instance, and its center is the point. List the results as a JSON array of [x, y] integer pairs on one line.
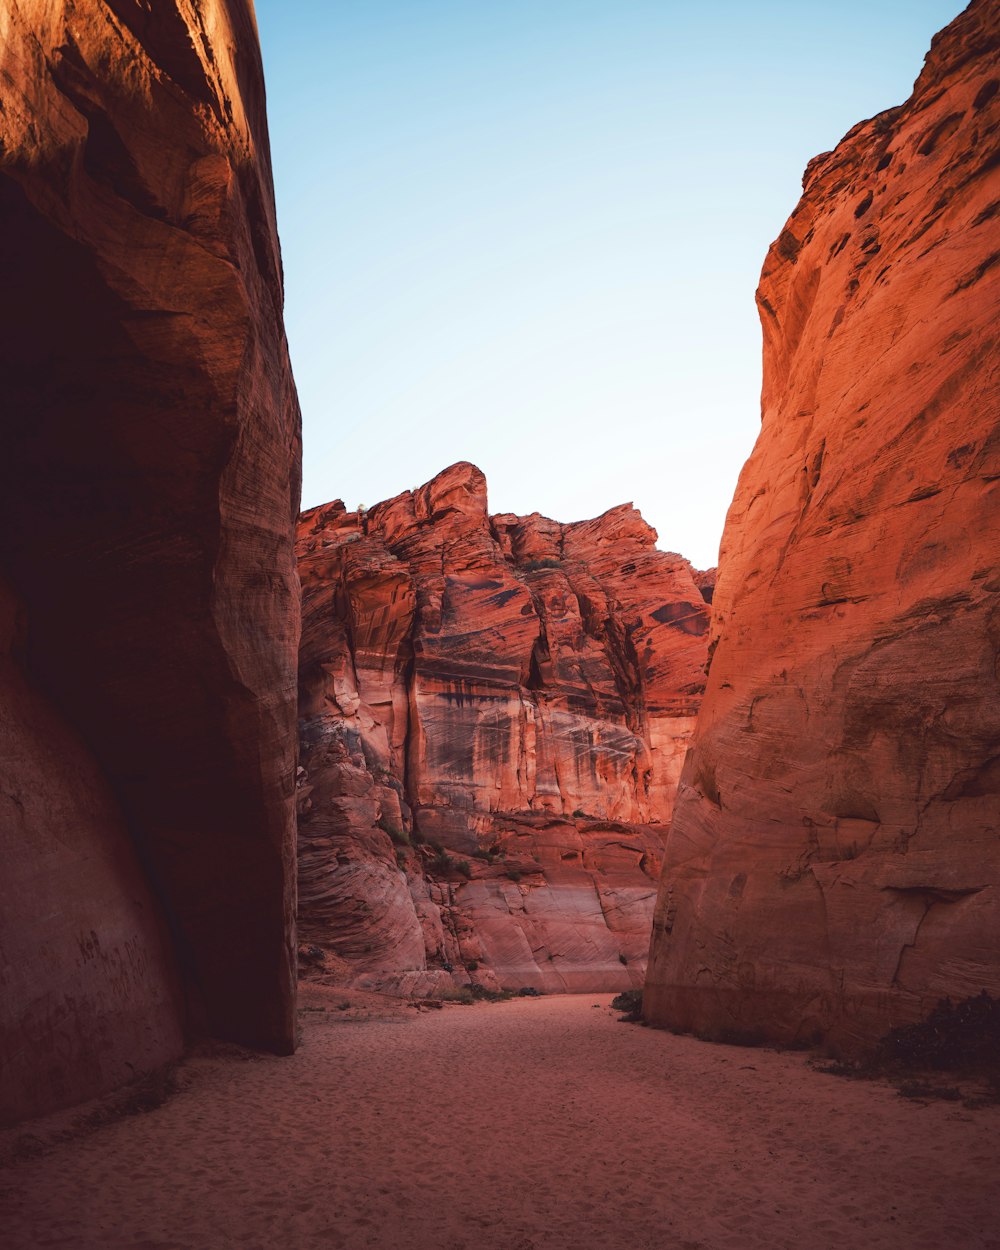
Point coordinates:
[[527, 233]]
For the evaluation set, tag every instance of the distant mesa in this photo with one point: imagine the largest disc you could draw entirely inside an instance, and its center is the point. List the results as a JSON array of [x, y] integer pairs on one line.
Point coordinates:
[[494, 712]]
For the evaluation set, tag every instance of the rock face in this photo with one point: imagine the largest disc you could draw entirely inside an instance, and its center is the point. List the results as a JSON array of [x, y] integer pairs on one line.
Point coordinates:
[[834, 859], [494, 712], [148, 597]]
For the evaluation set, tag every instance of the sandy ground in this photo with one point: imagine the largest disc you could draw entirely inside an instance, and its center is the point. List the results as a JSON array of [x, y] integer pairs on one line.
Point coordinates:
[[521, 1125]]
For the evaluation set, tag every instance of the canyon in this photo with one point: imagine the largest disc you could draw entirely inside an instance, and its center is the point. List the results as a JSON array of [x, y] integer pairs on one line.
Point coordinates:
[[833, 865], [494, 713], [521, 744], [149, 608]]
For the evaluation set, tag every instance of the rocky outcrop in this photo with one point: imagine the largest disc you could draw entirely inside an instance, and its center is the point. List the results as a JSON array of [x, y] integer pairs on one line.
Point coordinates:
[[833, 866], [494, 712], [148, 489]]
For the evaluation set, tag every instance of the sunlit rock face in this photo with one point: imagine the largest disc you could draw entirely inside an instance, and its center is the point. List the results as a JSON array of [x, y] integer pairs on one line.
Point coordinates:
[[494, 716], [832, 867], [148, 490]]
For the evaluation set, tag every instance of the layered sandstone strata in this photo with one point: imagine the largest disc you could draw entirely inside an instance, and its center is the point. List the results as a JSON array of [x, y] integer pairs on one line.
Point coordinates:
[[148, 489], [833, 866], [494, 715]]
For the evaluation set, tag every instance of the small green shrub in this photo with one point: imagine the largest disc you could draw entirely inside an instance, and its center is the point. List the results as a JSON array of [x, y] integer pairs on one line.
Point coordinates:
[[962, 1036], [462, 868], [472, 965], [485, 995], [442, 861], [629, 1001], [312, 955], [546, 563], [460, 994], [399, 836], [922, 1089], [842, 1067]]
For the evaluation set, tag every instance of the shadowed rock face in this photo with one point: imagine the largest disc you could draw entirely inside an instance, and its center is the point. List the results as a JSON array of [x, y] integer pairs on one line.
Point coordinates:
[[148, 490], [513, 691], [833, 863]]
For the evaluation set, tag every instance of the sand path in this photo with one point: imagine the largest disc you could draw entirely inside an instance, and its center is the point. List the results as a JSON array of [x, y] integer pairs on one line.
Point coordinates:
[[517, 1126]]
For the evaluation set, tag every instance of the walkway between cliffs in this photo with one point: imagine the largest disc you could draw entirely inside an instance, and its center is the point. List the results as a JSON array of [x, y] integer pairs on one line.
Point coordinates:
[[531, 1124]]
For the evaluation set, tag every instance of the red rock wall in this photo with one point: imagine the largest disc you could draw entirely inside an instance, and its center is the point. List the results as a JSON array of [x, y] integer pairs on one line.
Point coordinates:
[[834, 860], [148, 489], [513, 691]]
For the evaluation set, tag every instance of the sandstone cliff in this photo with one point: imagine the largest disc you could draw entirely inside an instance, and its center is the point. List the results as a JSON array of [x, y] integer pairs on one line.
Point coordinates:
[[834, 859], [494, 712], [148, 598]]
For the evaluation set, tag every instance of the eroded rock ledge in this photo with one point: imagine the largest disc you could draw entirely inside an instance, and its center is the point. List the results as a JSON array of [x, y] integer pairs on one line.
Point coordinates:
[[494, 712], [833, 865]]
